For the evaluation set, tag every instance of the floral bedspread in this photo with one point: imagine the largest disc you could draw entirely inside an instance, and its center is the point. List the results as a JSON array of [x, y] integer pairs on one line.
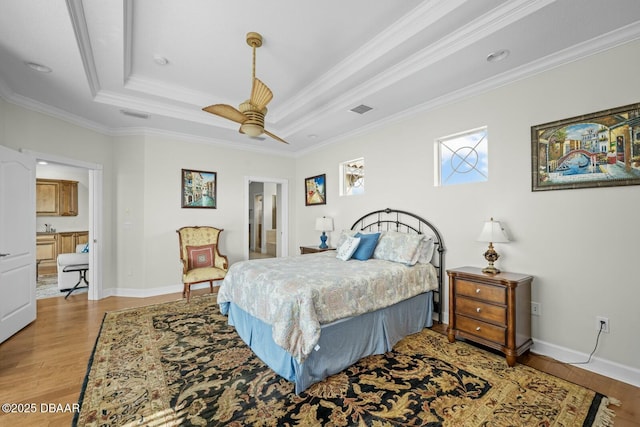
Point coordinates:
[[298, 294]]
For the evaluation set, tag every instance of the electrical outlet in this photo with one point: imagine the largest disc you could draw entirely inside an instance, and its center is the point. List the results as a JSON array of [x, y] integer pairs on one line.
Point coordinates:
[[536, 309], [602, 322]]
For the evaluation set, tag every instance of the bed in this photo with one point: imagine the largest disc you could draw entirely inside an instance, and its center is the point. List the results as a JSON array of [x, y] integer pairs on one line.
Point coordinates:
[[311, 316]]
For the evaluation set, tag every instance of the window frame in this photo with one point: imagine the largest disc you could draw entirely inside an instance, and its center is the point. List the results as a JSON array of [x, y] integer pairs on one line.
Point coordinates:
[[480, 166]]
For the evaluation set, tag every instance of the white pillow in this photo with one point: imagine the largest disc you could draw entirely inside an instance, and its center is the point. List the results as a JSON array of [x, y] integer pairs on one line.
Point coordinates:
[[343, 236], [426, 249], [347, 248], [398, 247]]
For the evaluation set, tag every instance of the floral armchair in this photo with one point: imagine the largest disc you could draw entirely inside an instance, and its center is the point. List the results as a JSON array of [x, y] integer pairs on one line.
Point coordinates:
[[200, 257]]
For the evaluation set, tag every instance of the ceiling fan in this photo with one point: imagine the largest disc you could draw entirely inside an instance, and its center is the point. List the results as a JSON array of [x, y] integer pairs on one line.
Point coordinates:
[[250, 114]]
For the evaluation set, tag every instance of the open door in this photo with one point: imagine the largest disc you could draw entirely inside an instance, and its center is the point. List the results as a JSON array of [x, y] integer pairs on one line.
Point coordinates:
[[17, 241], [277, 224]]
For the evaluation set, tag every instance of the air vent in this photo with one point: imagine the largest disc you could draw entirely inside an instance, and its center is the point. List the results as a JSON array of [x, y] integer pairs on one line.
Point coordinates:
[[361, 109], [135, 114]]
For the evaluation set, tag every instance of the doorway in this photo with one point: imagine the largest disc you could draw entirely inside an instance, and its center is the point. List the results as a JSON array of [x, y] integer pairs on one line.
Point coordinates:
[[95, 205], [267, 217]]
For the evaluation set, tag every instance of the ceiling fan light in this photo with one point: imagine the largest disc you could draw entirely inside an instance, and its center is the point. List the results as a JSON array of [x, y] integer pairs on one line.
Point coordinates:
[[251, 129]]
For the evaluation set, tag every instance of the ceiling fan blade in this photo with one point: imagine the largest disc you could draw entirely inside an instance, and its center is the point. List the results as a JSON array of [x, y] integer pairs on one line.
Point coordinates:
[[261, 95], [226, 111], [275, 136]]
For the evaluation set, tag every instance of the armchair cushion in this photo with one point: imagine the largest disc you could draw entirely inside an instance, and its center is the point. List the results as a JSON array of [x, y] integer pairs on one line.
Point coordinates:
[[201, 256], [203, 275]]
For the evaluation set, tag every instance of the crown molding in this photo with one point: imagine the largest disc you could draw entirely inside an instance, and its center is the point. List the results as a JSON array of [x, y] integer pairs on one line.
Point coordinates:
[[618, 37], [79, 23], [391, 37], [478, 29], [398, 33], [173, 92], [234, 145], [39, 107], [65, 116], [127, 39], [157, 108]]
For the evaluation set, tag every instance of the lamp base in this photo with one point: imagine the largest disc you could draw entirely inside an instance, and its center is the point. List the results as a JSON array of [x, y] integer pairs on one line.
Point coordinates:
[[491, 256], [323, 241], [490, 269]]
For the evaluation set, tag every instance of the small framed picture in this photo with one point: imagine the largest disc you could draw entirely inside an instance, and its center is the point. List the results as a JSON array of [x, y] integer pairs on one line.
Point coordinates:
[[315, 190], [199, 189]]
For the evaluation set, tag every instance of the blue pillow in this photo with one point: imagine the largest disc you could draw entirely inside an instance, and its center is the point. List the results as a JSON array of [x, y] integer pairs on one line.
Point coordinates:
[[366, 247]]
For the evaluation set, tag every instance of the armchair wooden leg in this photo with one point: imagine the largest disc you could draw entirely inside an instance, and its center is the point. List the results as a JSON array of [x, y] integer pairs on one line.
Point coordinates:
[[186, 292], [211, 286]]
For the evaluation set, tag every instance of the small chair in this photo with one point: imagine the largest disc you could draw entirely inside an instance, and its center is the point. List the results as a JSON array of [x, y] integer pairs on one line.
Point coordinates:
[[200, 257], [67, 279]]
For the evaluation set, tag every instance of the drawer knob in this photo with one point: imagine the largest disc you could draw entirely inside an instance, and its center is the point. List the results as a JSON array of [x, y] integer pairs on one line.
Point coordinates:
[[477, 328], [478, 291], [478, 310]]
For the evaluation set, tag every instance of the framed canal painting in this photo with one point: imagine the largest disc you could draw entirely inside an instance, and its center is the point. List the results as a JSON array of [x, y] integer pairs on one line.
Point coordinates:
[[315, 190], [595, 150], [199, 189]]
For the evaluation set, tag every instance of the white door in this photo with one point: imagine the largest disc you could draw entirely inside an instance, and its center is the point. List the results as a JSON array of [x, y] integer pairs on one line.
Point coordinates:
[[17, 241]]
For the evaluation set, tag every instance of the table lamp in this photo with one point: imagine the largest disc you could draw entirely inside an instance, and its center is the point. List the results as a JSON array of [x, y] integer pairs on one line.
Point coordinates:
[[324, 224], [492, 232]]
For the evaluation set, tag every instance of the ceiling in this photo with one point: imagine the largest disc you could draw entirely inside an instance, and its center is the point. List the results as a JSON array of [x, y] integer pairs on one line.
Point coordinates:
[[320, 59]]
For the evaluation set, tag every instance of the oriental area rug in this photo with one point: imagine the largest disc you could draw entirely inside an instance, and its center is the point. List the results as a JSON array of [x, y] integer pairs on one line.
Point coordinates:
[[180, 364]]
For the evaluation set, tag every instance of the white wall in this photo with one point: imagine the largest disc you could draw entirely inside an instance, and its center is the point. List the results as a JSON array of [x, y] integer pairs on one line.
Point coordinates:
[[581, 245], [148, 192]]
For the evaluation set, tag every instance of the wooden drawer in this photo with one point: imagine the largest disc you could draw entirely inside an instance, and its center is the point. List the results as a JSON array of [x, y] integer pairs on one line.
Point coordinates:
[[480, 310], [481, 291], [481, 329], [491, 309]]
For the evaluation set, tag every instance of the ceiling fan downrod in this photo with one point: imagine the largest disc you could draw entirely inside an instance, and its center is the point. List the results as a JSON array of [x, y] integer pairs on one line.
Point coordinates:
[[254, 40]]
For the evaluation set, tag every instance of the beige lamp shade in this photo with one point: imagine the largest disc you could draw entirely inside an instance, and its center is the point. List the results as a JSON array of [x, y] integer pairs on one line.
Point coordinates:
[[324, 224], [492, 232]]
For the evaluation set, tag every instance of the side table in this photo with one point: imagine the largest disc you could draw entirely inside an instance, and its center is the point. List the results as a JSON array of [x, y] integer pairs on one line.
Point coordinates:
[[491, 309]]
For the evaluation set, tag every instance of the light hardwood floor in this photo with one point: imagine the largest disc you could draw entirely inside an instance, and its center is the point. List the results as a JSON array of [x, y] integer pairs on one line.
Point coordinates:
[[46, 362]]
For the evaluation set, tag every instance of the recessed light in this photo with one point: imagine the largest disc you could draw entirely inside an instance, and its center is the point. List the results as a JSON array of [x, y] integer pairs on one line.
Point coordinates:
[[38, 67], [42, 162], [160, 60], [498, 55]]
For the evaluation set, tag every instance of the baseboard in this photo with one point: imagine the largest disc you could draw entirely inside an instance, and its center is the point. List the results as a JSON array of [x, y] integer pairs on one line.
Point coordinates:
[[148, 292], [598, 365], [605, 367]]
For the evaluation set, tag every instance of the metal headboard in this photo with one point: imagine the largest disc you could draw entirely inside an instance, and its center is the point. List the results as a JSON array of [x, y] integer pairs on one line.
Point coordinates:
[[406, 222]]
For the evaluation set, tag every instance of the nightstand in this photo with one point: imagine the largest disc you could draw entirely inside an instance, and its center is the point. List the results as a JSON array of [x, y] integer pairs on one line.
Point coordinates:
[[491, 309], [314, 249]]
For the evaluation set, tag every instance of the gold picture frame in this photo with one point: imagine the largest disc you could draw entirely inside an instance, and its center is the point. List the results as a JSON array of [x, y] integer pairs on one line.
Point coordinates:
[[600, 149]]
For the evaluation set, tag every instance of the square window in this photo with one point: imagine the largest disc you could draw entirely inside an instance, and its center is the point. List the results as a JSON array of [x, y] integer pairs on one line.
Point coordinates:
[[462, 158], [352, 177]]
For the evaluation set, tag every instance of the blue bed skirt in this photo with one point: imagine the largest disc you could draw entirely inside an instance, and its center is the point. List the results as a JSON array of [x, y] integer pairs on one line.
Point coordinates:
[[342, 343]]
